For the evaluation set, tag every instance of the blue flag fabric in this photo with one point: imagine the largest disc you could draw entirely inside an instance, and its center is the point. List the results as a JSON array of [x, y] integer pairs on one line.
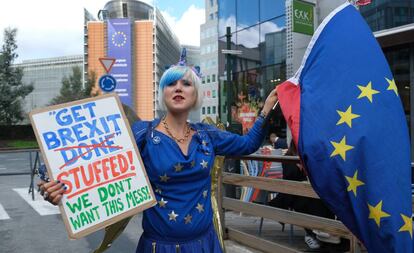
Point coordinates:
[[352, 132]]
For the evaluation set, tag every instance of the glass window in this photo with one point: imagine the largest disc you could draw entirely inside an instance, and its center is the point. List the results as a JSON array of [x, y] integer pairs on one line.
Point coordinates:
[[273, 41], [208, 78], [248, 38], [271, 8], [247, 13], [213, 92], [214, 110], [208, 110], [211, 16], [211, 3], [203, 79], [203, 110], [213, 78], [227, 16]]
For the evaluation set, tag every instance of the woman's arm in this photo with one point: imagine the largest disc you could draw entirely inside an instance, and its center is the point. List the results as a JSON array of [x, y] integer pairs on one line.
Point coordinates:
[[226, 143]]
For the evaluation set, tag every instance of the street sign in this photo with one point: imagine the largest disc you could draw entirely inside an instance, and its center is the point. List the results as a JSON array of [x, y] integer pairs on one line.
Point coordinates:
[[230, 51], [107, 63], [107, 83]]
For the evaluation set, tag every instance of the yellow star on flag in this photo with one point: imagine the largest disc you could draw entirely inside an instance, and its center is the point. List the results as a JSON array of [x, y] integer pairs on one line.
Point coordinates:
[[341, 148], [376, 213], [200, 207], [367, 91], [408, 225], [204, 164], [164, 178], [173, 216], [188, 218], [347, 116], [354, 183], [162, 203], [392, 86], [178, 167]]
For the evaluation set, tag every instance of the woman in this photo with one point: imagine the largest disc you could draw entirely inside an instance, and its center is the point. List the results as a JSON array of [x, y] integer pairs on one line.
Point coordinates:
[[178, 157]]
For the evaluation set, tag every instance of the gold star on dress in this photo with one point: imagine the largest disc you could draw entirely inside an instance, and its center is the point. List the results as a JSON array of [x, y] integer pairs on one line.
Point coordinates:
[[354, 183], [347, 116], [188, 218], [392, 86], [164, 178], [367, 91], [341, 148], [200, 207], [408, 225], [192, 163], [158, 190], [162, 203], [204, 164], [173, 216], [376, 213], [178, 167], [205, 193]]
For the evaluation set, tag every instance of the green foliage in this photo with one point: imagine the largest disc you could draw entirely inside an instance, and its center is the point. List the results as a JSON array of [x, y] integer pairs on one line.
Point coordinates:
[[72, 88], [12, 89]]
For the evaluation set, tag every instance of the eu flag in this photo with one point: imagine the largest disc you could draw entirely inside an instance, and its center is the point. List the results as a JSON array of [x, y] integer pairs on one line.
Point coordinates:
[[348, 123]]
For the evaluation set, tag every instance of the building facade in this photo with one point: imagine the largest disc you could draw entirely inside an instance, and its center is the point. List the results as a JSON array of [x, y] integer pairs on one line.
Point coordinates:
[[209, 61], [271, 38], [138, 37], [393, 26], [46, 76], [268, 40]]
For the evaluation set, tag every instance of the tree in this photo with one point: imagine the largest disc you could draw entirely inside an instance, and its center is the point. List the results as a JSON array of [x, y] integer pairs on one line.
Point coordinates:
[[12, 89], [72, 88]]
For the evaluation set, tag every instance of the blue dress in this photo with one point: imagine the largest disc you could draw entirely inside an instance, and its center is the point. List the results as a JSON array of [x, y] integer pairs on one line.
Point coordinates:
[[182, 219]]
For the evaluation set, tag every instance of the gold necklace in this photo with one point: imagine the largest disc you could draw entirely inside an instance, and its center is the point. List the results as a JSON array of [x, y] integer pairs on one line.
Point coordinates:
[[179, 140]]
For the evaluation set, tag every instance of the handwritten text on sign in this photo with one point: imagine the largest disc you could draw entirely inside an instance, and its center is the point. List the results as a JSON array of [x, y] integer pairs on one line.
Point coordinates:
[[88, 148]]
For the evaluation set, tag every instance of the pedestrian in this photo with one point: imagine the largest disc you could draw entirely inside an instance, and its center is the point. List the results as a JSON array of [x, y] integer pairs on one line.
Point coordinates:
[[278, 142], [178, 157]]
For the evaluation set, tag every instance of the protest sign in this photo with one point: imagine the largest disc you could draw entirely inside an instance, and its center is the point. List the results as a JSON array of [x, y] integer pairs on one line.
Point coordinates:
[[88, 146]]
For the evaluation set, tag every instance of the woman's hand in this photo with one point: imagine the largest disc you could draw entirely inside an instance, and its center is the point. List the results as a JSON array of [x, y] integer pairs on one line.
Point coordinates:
[[52, 191], [270, 101]]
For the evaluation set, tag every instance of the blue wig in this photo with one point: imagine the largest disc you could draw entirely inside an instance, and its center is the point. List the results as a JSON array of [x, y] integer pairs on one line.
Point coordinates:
[[177, 72], [172, 75]]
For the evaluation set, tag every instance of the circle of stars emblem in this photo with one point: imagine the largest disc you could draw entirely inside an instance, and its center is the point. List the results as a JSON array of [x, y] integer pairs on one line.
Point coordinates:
[[119, 39]]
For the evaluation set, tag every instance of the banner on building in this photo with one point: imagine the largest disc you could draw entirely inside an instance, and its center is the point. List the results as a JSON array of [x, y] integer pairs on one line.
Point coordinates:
[[88, 146], [120, 48], [303, 17]]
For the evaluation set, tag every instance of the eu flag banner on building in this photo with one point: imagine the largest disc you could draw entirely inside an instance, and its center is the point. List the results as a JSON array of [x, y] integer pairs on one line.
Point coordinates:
[[348, 123]]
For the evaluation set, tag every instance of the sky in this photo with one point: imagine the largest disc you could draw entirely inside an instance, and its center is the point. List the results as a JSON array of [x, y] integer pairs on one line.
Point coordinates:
[[51, 28]]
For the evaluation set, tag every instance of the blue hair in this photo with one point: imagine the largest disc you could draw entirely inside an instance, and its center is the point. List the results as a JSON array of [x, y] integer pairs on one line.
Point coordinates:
[[172, 75]]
